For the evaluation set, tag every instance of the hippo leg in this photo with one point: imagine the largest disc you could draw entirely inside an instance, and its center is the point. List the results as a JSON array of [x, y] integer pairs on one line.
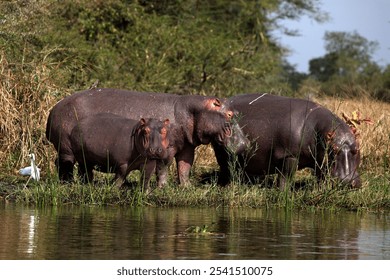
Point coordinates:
[[65, 166], [85, 173], [162, 172], [184, 161], [121, 174], [222, 157], [289, 168], [147, 171]]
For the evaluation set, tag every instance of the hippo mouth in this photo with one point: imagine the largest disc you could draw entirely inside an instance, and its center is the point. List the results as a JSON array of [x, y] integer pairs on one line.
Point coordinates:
[[351, 180], [223, 137], [352, 183]]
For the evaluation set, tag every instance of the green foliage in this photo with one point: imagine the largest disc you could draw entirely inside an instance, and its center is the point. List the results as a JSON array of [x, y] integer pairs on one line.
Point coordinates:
[[350, 47], [349, 55], [348, 65], [323, 68], [215, 47]]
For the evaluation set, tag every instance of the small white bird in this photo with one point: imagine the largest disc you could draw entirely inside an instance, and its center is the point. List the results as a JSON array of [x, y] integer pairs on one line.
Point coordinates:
[[33, 171]]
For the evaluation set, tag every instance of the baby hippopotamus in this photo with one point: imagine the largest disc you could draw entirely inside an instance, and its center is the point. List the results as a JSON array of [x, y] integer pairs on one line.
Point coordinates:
[[119, 145]]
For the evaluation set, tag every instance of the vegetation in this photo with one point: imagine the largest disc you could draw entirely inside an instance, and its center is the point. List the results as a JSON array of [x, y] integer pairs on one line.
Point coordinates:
[[49, 49], [347, 67], [374, 196]]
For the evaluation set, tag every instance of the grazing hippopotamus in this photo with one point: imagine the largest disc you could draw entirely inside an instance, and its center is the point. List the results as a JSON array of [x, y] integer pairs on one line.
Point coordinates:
[[118, 145], [183, 111], [290, 134]]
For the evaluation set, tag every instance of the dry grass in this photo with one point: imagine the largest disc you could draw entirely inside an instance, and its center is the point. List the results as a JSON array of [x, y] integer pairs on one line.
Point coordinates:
[[27, 92]]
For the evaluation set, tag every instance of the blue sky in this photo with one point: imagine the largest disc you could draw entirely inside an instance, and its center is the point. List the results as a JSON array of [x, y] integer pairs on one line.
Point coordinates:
[[369, 18]]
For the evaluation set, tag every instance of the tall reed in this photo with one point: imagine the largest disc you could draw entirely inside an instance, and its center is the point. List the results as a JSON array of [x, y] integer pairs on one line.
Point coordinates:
[[28, 91]]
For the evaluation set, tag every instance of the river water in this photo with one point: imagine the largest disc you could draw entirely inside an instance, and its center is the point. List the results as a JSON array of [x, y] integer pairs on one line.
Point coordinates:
[[101, 233]]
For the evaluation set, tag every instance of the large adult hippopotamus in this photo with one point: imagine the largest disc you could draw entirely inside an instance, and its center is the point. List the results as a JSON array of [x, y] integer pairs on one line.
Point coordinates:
[[114, 144], [183, 111], [290, 134]]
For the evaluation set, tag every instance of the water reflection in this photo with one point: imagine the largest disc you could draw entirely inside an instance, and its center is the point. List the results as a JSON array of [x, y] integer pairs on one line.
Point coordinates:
[[27, 229], [31, 234], [150, 233]]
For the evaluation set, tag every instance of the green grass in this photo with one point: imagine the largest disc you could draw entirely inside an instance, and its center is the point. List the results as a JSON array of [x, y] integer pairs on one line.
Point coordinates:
[[373, 196]]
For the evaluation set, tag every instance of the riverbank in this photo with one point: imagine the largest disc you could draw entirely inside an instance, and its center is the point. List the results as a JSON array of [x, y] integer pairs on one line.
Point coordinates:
[[374, 196], [375, 170]]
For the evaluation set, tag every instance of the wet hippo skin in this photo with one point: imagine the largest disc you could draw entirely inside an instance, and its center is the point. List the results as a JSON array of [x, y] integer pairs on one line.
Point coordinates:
[[289, 134]]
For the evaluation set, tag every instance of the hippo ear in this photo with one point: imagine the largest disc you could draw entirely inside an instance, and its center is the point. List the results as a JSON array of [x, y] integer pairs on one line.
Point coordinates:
[[355, 132], [213, 104], [142, 121], [330, 135], [217, 102], [140, 126], [166, 122]]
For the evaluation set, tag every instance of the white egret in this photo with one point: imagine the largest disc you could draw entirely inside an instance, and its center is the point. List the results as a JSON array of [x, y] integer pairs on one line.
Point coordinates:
[[33, 171]]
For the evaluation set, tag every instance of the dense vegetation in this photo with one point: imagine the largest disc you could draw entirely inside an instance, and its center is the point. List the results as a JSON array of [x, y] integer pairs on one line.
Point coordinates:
[[50, 48]]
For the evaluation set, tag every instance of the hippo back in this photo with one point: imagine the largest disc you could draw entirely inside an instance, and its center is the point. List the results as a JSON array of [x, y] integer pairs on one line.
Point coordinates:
[[129, 104]]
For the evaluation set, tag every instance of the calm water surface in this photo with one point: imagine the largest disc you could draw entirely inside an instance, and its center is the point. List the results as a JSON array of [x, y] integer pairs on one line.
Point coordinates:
[[159, 233]]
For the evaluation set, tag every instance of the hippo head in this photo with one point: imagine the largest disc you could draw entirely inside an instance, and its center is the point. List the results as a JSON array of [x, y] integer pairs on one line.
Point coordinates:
[[212, 126], [152, 139], [219, 105], [345, 155], [218, 123], [238, 143]]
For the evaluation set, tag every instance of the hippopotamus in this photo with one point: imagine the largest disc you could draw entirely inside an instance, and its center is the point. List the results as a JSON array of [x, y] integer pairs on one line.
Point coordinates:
[[184, 111], [119, 145], [289, 134]]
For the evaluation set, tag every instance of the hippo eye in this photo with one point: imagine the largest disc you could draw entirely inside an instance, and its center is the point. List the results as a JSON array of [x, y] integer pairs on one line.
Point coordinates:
[[229, 115], [335, 148]]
